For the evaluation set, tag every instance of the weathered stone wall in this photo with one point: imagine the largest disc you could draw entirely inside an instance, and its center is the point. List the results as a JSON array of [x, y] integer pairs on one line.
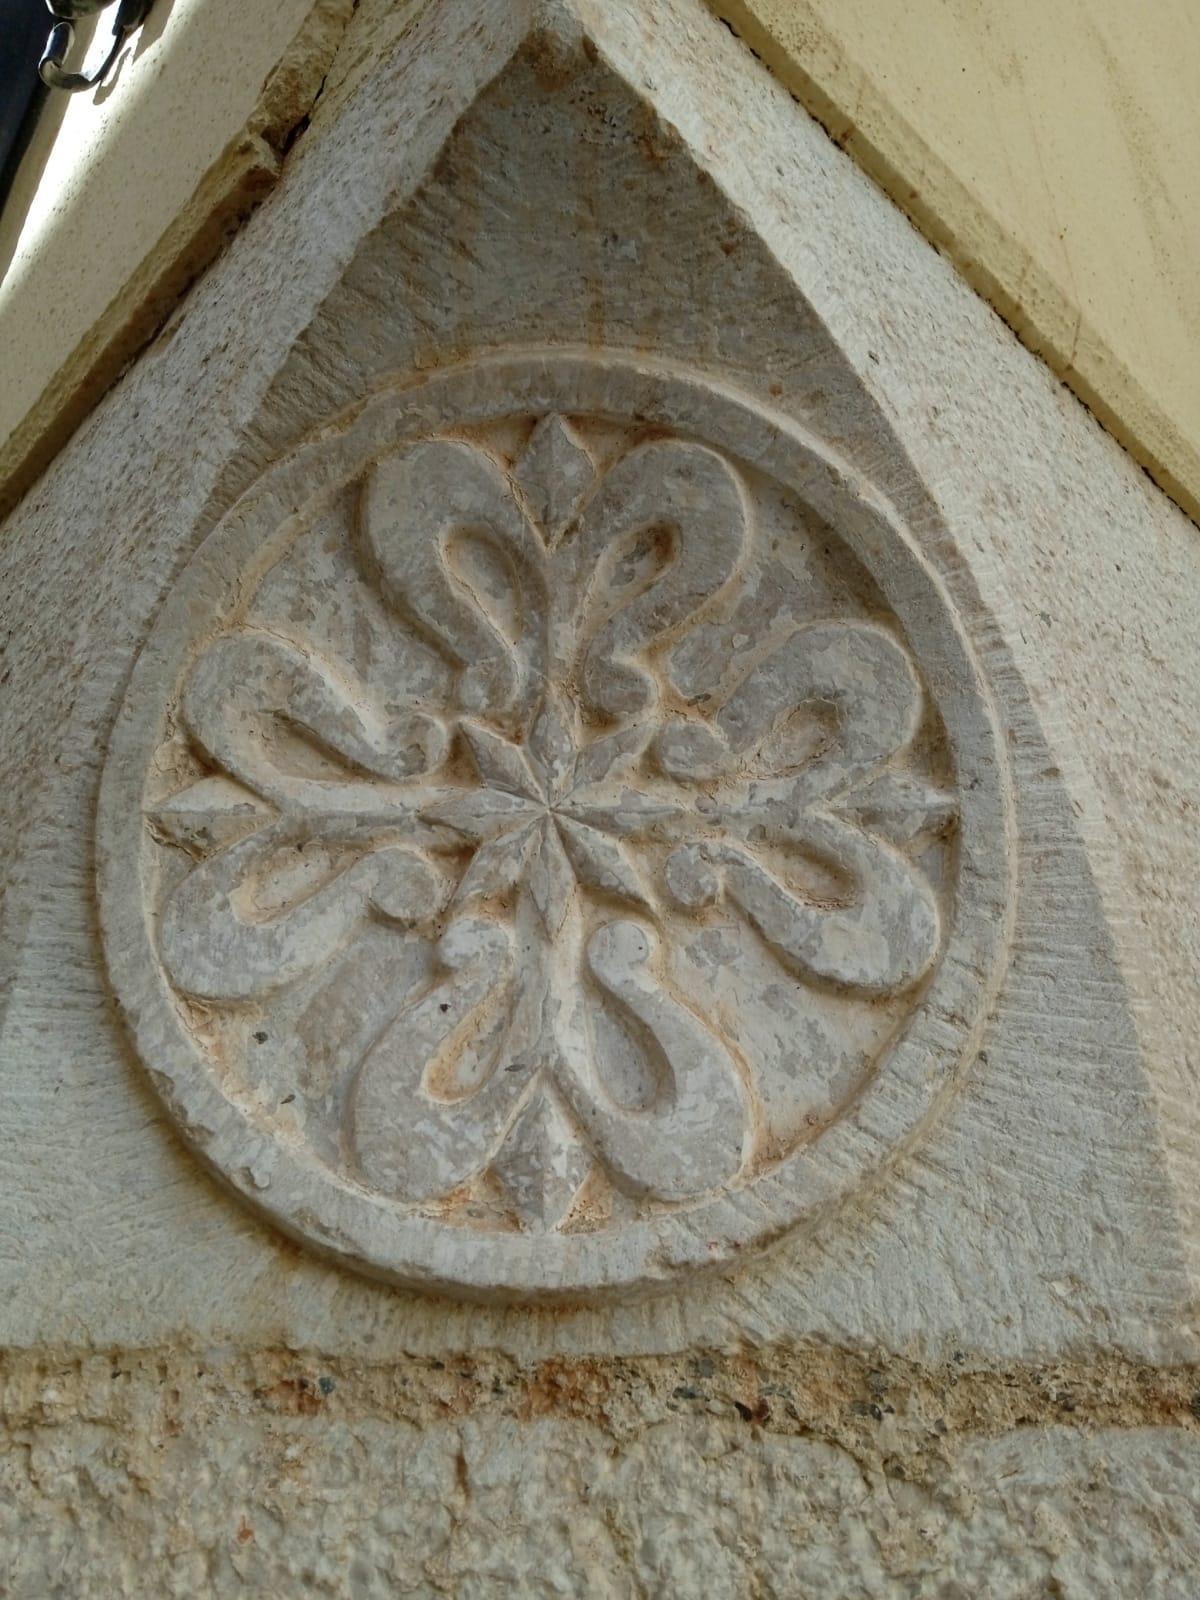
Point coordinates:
[[932, 1334], [160, 1472]]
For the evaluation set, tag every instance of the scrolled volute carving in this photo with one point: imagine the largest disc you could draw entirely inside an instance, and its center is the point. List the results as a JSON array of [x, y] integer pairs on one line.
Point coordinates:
[[601, 787]]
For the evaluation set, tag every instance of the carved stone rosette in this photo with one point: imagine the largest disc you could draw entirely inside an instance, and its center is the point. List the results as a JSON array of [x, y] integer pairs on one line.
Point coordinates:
[[555, 836]]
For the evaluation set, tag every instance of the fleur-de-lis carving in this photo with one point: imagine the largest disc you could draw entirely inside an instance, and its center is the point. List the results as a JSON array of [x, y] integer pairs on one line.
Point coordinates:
[[536, 824]]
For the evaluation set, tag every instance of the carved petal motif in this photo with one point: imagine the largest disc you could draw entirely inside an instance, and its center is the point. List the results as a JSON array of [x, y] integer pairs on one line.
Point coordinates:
[[600, 862], [692, 1137], [480, 814], [579, 789], [552, 748]]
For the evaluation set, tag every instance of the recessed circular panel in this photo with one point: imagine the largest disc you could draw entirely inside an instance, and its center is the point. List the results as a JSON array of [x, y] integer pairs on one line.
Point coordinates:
[[555, 836]]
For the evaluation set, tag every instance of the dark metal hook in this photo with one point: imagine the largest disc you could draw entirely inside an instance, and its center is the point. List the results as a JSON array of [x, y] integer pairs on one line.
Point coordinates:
[[130, 16]]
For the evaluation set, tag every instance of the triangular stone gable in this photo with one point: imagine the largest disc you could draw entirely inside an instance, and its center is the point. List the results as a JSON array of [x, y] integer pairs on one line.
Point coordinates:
[[537, 197]]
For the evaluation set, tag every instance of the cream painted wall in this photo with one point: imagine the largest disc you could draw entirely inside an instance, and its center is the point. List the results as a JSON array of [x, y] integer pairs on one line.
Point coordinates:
[[128, 191], [1049, 146], [1052, 148]]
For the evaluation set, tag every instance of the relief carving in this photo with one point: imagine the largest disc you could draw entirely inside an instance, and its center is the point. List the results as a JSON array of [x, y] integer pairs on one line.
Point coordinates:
[[582, 764]]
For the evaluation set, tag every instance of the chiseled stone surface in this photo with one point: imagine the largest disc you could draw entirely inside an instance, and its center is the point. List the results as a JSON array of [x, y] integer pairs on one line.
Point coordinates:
[[1037, 1211], [573, 399]]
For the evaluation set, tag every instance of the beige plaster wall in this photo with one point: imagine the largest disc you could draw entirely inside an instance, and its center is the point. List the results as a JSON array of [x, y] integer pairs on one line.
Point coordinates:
[[128, 191], [1051, 151]]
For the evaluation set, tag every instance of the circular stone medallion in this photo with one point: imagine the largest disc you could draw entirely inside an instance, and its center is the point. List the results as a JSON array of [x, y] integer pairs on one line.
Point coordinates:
[[555, 837]]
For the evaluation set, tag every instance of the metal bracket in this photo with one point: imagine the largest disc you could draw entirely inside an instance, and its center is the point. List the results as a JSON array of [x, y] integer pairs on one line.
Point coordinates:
[[130, 16]]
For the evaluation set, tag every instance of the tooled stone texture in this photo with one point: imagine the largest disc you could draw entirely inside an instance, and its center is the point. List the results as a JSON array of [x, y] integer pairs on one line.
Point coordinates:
[[648, 194], [678, 204]]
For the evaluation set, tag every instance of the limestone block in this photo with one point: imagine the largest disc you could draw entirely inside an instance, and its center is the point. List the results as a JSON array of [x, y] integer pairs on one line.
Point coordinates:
[[574, 800]]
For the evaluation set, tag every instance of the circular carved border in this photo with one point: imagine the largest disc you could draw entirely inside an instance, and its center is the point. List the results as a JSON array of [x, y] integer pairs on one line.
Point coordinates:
[[373, 1233]]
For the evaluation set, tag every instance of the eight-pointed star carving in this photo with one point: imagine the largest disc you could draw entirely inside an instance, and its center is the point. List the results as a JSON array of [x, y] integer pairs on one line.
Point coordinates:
[[546, 811]]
